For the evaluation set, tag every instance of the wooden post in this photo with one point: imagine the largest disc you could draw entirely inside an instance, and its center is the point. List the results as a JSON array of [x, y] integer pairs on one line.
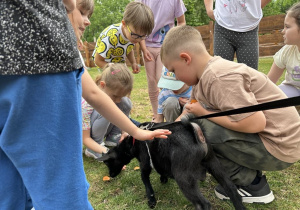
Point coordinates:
[[211, 38], [87, 54]]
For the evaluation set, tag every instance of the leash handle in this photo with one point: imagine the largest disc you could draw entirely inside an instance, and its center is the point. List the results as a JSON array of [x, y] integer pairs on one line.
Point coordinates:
[[294, 101]]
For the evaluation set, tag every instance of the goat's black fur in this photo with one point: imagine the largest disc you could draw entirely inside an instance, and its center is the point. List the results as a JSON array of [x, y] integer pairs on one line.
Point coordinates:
[[184, 156]]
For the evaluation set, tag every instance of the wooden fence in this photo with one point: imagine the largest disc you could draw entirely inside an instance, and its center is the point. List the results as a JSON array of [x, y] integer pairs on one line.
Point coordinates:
[[270, 39]]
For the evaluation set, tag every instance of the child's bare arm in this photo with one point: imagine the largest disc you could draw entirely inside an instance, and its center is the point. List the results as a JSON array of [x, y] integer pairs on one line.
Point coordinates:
[[275, 73], [108, 109], [146, 53], [209, 8], [181, 20], [100, 61], [90, 143], [159, 118], [134, 66], [252, 124]]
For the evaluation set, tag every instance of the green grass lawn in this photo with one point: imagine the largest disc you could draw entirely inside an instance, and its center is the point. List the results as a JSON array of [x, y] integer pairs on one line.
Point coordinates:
[[127, 191]]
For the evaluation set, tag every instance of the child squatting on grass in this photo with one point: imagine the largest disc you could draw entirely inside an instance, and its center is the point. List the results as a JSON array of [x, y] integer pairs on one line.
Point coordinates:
[[116, 42], [116, 81], [40, 111], [246, 144], [172, 97]]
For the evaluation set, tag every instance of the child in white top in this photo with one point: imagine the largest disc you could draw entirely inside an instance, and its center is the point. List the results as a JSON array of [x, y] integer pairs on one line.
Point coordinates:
[[288, 57], [236, 29]]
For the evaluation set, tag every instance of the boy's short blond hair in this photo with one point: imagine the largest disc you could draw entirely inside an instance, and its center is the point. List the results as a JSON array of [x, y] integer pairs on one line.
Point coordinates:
[[182, 39], [140, 16]]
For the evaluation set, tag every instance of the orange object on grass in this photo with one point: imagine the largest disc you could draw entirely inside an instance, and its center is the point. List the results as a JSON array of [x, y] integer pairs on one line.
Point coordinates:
[[136, 168], [106, 178]]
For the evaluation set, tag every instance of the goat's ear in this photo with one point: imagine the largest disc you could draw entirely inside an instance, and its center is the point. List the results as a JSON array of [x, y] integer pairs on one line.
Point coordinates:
[[111, 155]]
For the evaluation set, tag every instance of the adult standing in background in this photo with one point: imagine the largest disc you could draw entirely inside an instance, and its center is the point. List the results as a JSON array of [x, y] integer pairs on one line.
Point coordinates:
[[165, 12], [236, 29]]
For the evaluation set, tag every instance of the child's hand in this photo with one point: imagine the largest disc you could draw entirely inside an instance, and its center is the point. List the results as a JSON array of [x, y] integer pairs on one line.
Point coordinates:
[[183, 101], [195, 108], [136, 68], [147, 55], [149, 135], [123, 136]]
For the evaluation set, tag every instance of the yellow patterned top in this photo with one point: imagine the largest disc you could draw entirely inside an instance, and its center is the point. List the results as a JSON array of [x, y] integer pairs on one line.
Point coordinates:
[[112, 44]]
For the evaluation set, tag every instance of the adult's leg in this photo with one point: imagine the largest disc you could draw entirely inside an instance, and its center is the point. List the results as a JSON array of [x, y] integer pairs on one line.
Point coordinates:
[[223, 45], [241, 154], [247, 47], [153, 70], [41, 142]]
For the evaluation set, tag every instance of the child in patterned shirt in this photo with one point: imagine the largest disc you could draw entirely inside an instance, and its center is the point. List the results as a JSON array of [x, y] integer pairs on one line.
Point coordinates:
[[116, 42]]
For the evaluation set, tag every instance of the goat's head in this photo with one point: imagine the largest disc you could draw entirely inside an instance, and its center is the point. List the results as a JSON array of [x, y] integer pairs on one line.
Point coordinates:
[[118, 156]]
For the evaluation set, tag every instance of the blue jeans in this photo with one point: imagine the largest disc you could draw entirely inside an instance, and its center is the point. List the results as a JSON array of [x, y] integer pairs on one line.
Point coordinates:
[[41, 142]]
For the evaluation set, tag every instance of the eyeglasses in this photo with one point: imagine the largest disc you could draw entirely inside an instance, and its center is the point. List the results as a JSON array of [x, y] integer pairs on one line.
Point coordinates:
[[136, 36]]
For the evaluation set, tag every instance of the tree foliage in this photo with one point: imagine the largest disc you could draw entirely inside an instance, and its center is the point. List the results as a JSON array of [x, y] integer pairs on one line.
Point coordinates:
[[108, 12], [276, 7], [196, 13]]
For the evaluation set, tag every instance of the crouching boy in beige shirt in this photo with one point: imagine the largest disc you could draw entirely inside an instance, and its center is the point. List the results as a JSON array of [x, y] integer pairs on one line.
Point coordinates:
[[246, 143]]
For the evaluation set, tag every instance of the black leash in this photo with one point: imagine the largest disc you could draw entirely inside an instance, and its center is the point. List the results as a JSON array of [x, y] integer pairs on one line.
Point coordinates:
[[294, 101]]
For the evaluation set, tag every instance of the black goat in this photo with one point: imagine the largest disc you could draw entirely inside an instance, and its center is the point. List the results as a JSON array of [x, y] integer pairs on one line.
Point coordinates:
[[184, 156]]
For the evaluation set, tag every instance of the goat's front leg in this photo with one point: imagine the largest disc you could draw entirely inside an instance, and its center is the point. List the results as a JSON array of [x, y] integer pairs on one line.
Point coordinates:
[[145, 174]]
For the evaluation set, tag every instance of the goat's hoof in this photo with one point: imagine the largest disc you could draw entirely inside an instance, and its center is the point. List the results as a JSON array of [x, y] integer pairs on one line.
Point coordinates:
[[152, 204], [163, 179]]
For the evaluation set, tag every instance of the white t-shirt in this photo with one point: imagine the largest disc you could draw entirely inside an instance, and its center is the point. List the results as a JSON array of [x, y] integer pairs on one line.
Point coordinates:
[[288, 57], [238, 15]]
